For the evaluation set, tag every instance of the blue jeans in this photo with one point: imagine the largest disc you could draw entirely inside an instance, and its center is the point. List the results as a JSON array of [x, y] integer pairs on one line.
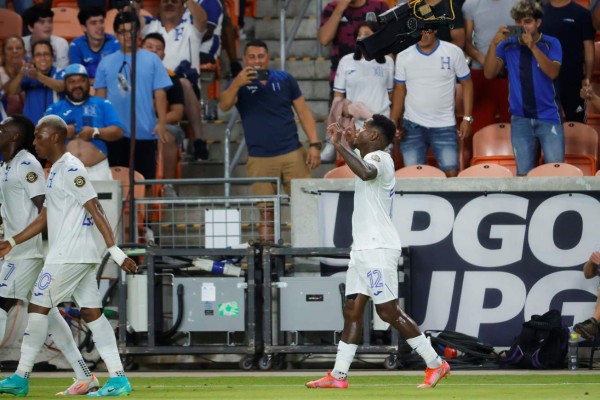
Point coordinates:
[[443, 142], [525, 131]]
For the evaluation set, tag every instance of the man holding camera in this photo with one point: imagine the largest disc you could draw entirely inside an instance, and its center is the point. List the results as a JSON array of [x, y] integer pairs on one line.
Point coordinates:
[[533, 62]]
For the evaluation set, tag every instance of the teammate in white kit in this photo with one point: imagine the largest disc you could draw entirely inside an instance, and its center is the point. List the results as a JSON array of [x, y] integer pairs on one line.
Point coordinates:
[[22, 198], [70, 212], [376, 251]]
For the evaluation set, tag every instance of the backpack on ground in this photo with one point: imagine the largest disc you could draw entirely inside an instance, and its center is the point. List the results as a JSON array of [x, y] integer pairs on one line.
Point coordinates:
[[469, 349], [542, 343]]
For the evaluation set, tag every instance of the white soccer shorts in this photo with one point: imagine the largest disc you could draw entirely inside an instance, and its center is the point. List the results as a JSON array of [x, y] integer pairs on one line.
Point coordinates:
[[62, 282], [374, 273], [17, 277]]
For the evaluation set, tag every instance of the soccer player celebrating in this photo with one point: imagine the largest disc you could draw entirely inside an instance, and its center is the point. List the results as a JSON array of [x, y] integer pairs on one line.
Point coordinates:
[[376, 251], [70, 212], [22, 198]]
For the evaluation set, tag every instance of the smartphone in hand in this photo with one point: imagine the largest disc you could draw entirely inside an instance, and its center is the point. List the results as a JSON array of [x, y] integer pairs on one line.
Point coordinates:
[[515, 30], [262, 74]]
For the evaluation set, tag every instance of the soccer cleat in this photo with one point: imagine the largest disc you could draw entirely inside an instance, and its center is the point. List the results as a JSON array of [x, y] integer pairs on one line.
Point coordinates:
[[328, 382], [81, 387], [15, 385], [433, 376], [115, 386], [587, 329]]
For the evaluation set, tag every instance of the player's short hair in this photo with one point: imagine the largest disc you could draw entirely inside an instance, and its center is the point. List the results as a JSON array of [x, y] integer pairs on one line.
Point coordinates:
[[55, 122], [155, 36], [384, 126], [87, 12], [526, 8], [256, 43], [26, 130]]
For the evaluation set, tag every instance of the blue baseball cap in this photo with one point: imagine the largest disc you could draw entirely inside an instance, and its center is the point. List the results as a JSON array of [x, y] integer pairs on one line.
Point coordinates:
[[75, 69]]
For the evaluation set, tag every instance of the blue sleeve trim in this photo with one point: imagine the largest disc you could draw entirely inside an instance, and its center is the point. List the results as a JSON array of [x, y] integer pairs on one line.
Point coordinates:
[[462, 78]]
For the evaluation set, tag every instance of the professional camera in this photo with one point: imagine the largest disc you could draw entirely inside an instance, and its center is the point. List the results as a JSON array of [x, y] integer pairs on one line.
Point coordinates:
[[403, 25]]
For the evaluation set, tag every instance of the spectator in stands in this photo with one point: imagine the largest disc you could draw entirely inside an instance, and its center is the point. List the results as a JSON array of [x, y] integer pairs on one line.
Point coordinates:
[[595, 10], [588, 329], [40, 81], [13, 62], [113, 81], [339, 22], [533, 61], [155, 43], [455, 31], [183, 35], [20, 6], [571, 24], [38, 20], [228, 40], [95, 44], [423, 101], [266, 108], [482, 19], [211, 38], [91, 122]]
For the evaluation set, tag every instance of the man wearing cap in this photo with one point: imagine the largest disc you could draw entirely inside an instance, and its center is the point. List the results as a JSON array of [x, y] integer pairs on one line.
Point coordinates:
[[91, 121]]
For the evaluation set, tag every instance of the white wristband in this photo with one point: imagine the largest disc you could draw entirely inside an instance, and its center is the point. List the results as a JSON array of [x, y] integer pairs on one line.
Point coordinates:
[[12, 242], [117, 254]]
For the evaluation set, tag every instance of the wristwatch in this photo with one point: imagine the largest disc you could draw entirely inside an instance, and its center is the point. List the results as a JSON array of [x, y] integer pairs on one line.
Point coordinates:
[[96, 134], [318, 145], [469, 119]]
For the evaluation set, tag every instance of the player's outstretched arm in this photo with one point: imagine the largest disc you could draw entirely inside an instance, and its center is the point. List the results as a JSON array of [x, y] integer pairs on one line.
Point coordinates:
[[343, 141], [36, 226], [95, 209]]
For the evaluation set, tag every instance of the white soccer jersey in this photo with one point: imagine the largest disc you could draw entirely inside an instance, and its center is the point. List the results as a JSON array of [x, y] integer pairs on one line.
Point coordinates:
[[70, 226], [181, 43], [22, 179], [372, 226], [366, 81], [430, 80]]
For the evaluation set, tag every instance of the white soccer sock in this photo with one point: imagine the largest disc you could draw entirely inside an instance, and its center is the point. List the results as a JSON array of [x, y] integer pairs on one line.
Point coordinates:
[[423, 348], [343, 359], [33, 340], [3, 318], [61, 334], [106, 344]]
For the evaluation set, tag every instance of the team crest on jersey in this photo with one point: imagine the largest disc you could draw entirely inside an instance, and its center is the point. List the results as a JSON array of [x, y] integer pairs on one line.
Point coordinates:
[[375, 157], [31, 177], [79, 181]]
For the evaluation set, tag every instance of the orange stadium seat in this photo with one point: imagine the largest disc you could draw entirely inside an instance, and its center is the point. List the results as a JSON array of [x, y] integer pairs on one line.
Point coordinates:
[[66, 24], [11, 23], [65, 3], [492, 145], [419, 171], [555, 169], [486, 171], [596, 67], [339, 173], [581, 147]]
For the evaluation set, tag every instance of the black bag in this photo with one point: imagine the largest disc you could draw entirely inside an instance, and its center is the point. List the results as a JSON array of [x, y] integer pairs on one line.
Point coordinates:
[[473, 349], [542, 343]]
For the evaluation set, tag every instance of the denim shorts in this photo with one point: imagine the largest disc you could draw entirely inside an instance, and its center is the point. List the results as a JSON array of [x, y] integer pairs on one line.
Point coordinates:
[[525, 131], [443, 142]]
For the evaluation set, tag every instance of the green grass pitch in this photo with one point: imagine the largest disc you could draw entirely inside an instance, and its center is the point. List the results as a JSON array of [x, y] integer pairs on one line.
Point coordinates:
[[385, 386]]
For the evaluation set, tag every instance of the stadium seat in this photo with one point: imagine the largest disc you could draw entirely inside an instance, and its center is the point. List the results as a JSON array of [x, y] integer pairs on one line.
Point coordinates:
[[420, 171], [112, 14], [66, 24], [65, 3], [596, 67], [581, 147], [486, 171], [343, 172], [492, 145], [11, 23], [555, 169]]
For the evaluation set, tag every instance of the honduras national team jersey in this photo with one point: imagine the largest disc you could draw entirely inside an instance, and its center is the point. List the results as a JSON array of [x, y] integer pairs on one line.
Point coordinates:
[[95, 112], [372, 226], [70, 226], [21, 179], [80, 52], [532, 92]]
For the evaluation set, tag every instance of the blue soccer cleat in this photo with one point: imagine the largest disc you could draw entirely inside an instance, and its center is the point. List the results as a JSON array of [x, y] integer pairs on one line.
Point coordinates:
[[15, 385], [115, 386]]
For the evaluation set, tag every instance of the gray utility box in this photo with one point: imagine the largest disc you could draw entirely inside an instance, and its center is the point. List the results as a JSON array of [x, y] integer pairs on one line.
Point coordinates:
[[311, 303], [211, 304]]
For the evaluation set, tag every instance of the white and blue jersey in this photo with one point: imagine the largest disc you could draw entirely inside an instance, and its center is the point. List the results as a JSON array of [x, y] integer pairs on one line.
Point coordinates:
[[214, 17], [95, 112], [80, 52], [70, 226], [39, 96], [532, 94]]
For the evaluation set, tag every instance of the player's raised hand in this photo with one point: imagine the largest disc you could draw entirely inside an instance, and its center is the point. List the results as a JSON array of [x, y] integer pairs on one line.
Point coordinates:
[[350, 133]]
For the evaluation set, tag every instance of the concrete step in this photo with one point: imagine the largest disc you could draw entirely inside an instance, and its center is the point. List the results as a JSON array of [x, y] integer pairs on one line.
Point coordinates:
[[271, 8], [215, 132], [310, 69], [315, 90], [270, 28]]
